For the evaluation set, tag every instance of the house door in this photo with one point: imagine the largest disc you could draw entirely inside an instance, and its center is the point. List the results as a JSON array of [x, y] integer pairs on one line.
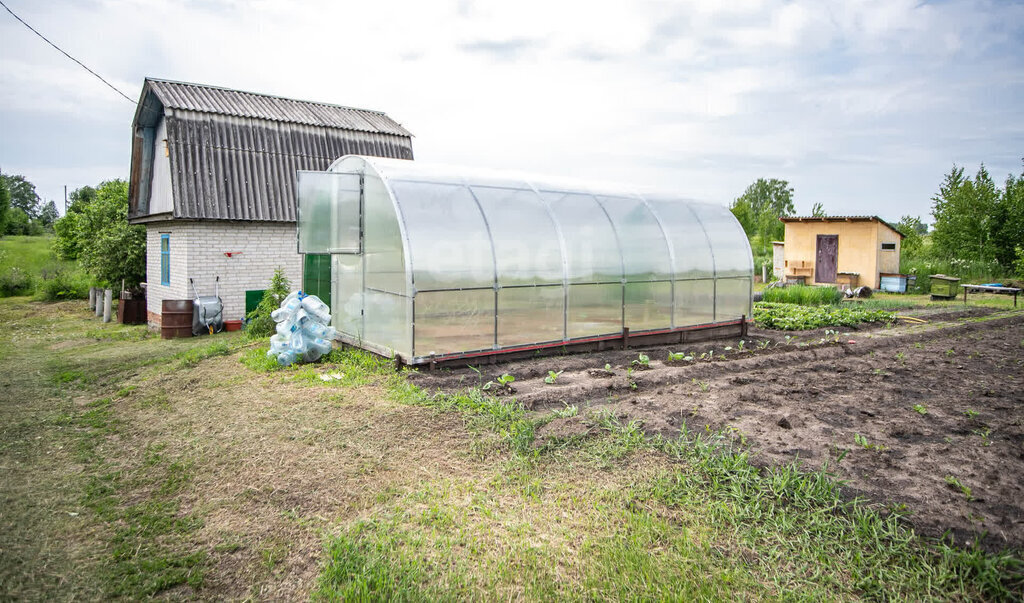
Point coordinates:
[[827, 259]]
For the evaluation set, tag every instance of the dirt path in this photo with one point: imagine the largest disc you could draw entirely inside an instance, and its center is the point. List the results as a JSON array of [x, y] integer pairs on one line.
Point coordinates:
[[927, 419]]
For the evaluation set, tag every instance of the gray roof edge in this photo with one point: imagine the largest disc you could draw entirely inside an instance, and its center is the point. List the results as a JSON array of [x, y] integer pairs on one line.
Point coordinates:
[[148, 80]]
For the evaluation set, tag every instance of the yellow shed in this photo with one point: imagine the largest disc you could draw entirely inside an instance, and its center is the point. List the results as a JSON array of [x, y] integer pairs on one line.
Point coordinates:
[[841, 250]]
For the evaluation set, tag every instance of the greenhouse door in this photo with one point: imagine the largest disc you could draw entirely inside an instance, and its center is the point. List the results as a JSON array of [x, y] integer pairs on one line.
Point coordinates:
[[316, 276]]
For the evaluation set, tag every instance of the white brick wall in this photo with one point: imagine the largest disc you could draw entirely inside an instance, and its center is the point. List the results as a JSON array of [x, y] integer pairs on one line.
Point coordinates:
[[198, 251]]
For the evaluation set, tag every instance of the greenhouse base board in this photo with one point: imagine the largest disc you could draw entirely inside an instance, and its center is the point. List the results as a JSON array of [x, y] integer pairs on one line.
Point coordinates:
[[626, 340]]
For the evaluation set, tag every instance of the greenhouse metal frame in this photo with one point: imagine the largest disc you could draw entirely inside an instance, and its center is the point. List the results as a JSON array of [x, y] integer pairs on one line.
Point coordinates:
[[434, 263]]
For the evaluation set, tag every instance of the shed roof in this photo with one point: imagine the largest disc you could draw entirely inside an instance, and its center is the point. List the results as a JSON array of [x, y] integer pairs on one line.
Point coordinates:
[[233, 155], [841, 219], [203, 98]]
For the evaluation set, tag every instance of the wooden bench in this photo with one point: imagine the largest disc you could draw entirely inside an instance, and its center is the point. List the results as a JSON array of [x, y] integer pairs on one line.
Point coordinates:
[[991, 289]]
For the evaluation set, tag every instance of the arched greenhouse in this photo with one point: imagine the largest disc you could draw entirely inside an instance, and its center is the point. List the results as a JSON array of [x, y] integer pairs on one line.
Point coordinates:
[[435, 263]]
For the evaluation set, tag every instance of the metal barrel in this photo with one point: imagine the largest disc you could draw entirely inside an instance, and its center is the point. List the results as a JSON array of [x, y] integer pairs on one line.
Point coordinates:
[[175, 318]]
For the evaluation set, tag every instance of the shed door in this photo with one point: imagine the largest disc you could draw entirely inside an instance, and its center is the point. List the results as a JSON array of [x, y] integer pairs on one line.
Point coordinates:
[[827, 259]]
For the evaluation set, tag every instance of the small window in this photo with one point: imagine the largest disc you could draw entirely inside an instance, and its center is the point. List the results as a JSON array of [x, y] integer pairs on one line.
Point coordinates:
[[165, 259], [888, 246]]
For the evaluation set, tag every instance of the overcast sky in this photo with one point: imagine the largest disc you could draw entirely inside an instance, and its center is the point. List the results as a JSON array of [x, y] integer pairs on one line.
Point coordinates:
[[862, 106]]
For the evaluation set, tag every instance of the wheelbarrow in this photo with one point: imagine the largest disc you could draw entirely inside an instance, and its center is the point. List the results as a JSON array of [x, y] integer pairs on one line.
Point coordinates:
[[207, 311]]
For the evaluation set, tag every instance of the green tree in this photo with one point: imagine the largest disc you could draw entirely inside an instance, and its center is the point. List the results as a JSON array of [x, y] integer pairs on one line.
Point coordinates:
[[758, 211], [18, 222], [23, 194], [48, 215], [963, 211], [913, 242], [80, 198], [5, 205], [818, 210], [66, 243], [260, 322], [110, 249], [1008, 223]]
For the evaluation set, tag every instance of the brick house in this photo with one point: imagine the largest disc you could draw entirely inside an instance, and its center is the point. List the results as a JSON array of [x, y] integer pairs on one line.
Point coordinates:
[[213, 179]]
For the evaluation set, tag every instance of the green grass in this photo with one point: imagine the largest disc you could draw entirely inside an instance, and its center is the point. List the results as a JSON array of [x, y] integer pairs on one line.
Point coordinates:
[[710, 525], [48, 277], [803, 295]]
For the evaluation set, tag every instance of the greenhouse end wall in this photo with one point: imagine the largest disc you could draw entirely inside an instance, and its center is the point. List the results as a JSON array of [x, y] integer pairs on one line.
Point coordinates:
[[431, 263]]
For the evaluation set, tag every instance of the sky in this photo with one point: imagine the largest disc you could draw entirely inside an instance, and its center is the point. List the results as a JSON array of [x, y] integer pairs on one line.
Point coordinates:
[[861, 105]]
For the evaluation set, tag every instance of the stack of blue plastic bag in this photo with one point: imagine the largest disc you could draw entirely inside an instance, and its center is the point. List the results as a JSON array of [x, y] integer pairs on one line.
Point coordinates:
[[302, 329]]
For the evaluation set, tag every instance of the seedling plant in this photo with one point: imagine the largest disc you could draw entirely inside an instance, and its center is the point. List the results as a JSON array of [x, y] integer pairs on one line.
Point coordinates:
[[552, 377], [504, 382]]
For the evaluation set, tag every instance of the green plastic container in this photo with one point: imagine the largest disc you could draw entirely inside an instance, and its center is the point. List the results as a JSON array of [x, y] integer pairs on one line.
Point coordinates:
[[943, 286]]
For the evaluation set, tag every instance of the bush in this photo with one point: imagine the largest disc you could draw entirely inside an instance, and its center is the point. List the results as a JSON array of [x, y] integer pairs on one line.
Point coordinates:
[[803, 295], [259, 323], [61, 284], [15, 281]]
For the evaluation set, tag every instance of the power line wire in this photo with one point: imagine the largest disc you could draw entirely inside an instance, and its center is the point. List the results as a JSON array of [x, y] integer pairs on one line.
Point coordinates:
[[98, 76]]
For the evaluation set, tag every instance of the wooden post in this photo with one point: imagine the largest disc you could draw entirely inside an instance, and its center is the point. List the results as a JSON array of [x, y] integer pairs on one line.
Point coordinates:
[[99, 301], [92, 298], [625, 338], [108, 298], [743, 326]]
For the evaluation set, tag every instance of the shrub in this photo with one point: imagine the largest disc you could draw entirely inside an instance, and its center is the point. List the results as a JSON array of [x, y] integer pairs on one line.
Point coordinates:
[[15, 281], [803, 295], [62, 284], [259, 323]]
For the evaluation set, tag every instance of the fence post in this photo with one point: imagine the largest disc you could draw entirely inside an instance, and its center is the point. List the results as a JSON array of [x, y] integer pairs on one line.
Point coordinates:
[[108, 298], [92, 298]]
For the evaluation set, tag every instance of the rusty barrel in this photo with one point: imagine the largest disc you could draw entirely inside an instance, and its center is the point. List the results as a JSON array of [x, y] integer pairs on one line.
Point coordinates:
[[175, 318]]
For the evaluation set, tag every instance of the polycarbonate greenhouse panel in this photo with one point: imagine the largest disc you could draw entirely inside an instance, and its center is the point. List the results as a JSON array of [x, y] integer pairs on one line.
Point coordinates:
[[648, 306], [387, 321], [694, 302], [527, 250], [594, 310], [347, 294], [530, 315], [732, 298], [453, 321], [328, 220], [453, 261], [591, 247], [645, 252], [728, 241], [449, 244], [383, 242], [689, 242]]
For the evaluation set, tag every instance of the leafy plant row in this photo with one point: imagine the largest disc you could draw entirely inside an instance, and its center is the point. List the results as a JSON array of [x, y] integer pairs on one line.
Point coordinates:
[[794, 317]]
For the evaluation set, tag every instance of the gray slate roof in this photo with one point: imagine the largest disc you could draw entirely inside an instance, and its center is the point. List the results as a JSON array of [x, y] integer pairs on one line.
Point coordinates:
[[222, 101], [233, 155]]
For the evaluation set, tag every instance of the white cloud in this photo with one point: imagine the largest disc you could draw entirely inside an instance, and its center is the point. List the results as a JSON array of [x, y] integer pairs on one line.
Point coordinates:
[[701, 95]]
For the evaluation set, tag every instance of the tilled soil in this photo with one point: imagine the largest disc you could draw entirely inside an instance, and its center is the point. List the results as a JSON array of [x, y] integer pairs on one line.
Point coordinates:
[[848, 402]]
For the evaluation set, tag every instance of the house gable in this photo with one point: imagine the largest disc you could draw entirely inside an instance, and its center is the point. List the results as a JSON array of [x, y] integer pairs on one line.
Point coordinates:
[[208, 153]]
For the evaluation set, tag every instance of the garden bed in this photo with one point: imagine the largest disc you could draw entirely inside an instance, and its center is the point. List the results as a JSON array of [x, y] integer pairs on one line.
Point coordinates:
[[925, 419]]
